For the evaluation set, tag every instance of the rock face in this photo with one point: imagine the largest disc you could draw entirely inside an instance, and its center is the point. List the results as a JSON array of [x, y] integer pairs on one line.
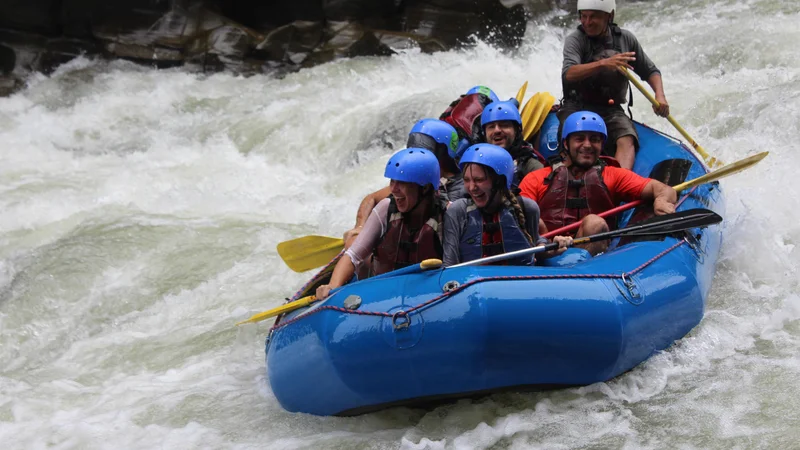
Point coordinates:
[[245, 36]]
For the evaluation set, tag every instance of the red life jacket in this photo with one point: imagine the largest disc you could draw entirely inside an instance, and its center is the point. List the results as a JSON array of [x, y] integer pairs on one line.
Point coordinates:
[[567, 200], [465, 116], [400, 248], [449, 109]]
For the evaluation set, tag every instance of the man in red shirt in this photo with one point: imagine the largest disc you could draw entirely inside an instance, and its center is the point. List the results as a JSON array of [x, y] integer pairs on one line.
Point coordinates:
[[583, 186]]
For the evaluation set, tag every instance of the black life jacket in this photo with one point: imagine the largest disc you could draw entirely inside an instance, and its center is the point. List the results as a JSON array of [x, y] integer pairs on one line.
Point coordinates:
[[598, 89], [521, 152]]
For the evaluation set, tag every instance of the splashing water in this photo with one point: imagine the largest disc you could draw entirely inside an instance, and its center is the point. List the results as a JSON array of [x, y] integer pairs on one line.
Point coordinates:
[[141, 210]]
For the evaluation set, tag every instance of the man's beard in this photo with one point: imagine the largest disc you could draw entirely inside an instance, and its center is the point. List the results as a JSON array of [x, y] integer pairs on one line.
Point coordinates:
[[582, 165]]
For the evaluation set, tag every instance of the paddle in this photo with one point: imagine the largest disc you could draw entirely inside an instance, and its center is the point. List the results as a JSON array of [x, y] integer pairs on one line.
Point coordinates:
[[291, 306], [668, 223], [428, 264], [711, 161], [534, 113], [707, 178], [525, 111], [521, 93], [308, 252], [539, 115]]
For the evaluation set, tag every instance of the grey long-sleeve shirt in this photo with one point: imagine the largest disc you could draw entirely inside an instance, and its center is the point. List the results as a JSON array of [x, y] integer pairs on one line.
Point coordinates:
[[578, 49]]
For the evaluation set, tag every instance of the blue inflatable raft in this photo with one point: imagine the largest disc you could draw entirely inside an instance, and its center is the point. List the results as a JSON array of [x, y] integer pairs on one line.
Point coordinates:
[[411, 336]]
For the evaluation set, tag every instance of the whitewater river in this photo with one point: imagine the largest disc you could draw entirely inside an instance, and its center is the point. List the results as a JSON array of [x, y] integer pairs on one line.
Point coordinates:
[[140, 209]]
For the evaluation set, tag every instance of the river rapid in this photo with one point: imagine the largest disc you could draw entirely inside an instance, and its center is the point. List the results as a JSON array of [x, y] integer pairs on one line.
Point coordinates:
[[141, 209]]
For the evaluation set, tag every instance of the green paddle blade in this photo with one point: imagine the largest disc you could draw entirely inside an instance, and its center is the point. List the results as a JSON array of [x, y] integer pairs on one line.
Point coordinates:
[[308, 252]]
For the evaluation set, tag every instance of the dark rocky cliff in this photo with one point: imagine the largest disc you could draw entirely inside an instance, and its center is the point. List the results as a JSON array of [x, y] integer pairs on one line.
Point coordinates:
[[244, 36]]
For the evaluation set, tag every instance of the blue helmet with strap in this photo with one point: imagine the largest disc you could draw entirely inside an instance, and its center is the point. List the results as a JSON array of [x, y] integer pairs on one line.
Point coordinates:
[[414, 165], [497, 111], [584, 121], [491, 156], [485, 91], [440, 131]]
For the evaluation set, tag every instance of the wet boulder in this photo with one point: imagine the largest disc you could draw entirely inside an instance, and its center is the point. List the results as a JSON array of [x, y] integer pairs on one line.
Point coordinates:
[[291, 43], [451, 27], [247, 36], [347, 40]]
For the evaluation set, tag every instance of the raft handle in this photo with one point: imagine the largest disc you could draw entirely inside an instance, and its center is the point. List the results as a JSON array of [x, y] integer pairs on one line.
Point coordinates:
[[630, 285], [400, 320], [451, 285]]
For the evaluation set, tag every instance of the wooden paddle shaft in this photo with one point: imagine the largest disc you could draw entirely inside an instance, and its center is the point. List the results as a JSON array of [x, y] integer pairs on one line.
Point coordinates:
[[707, 178], [706, 157]]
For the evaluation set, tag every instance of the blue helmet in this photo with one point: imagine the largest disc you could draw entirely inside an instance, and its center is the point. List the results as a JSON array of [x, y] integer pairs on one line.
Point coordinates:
[[584, 121], [491, 156], [414, 165], [485, 91], [441, 132], [497, 111]]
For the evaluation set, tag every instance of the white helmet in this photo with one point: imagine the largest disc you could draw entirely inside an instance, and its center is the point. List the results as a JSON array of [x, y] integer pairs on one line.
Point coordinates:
[[597, 5]]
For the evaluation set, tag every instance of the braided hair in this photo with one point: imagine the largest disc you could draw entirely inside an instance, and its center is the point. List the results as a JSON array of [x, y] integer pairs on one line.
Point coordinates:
[[509, 199]]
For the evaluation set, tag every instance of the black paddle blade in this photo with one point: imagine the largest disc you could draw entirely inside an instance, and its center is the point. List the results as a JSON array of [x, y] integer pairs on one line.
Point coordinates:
[[666, 224], [671, 223]]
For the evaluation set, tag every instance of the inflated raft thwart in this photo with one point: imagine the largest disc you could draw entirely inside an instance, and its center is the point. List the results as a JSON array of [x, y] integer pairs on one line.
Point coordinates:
[[412, 336]]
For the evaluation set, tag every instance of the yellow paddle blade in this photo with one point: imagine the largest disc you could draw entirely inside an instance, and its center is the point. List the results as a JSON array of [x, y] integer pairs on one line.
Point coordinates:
[[291, 306], [723, 172], [308, 252], [527, 110], [521, 93], [543, 106]]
